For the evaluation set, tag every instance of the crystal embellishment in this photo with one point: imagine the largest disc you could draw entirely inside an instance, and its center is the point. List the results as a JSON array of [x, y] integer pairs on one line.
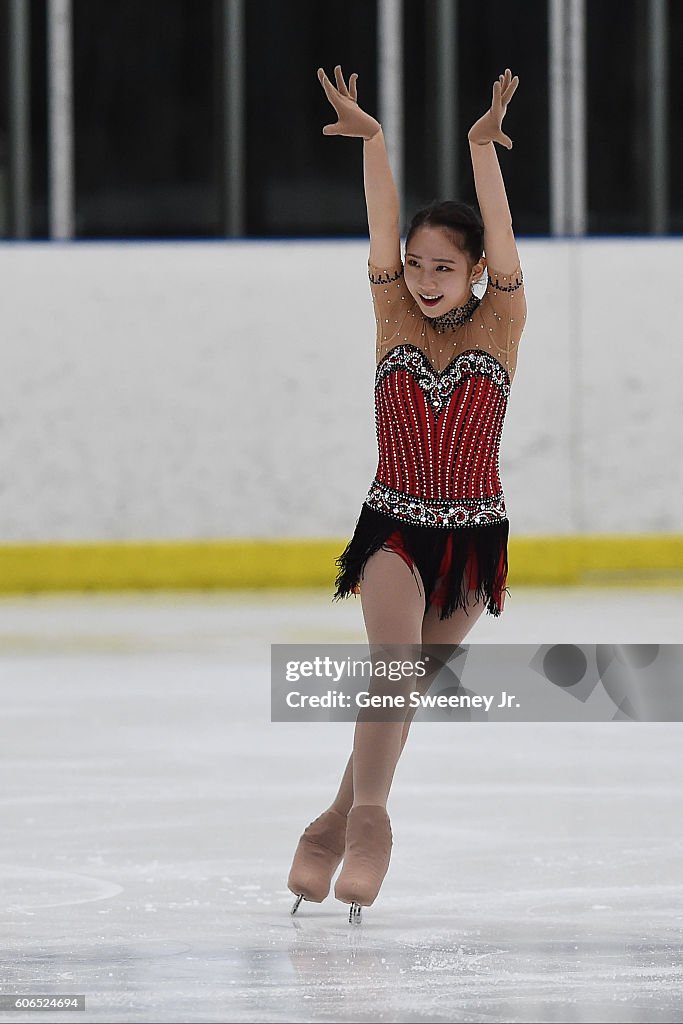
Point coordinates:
[[455, 317]]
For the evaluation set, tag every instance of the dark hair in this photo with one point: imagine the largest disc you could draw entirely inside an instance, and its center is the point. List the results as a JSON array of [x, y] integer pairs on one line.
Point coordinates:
[[461, 221]]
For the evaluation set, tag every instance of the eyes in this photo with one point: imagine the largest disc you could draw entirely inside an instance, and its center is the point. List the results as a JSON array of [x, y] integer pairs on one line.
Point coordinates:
[[414, 263]]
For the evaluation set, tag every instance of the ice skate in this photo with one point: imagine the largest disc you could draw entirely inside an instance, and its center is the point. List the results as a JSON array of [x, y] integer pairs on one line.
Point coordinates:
[[317, 857], [366, 858]]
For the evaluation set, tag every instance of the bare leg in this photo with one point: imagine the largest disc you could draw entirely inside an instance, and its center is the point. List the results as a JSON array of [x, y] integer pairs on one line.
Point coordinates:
[[393, 608], [451, 631], [343, 802]]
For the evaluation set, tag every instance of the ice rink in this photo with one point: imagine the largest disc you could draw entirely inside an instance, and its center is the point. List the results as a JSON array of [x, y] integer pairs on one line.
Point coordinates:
[[151, 810]]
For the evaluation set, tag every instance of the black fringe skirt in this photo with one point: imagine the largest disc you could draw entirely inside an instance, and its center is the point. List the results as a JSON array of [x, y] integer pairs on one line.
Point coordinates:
[[481, 550]]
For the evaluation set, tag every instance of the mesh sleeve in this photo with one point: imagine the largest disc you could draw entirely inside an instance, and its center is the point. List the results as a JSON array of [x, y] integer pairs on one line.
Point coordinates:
[[503, 313], [395, 308]]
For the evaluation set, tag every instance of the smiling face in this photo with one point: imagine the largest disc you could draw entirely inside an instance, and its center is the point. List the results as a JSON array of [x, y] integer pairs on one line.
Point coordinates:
[[438, 274]]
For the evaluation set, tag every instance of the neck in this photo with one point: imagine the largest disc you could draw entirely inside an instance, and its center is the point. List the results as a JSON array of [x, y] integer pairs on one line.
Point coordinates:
[[456, 316]]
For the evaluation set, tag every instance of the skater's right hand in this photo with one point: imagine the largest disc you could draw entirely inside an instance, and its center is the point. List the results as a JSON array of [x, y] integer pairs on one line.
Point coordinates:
[[353, 122]]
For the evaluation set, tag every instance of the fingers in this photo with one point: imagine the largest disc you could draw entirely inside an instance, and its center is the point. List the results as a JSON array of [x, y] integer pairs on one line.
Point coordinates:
[[325, 82], [330, 90], [510, 91], [341, 84], [341, 89], [508, 85]]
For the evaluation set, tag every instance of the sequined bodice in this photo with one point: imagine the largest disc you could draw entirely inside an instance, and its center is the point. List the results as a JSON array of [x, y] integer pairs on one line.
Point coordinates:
[[438, 435]]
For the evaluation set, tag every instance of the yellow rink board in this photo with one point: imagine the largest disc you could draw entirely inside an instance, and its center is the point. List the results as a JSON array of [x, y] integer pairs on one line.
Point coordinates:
[[650, 560]]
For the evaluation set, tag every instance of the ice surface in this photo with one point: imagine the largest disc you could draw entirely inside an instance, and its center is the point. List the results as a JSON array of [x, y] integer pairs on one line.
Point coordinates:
[[150, 811]]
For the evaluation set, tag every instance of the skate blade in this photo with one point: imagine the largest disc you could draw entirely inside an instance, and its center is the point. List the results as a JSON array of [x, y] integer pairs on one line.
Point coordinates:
[[355, 913], [297, 901]]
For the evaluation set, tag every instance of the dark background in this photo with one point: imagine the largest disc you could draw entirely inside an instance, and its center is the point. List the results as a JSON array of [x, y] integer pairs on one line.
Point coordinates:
[[148, 114]]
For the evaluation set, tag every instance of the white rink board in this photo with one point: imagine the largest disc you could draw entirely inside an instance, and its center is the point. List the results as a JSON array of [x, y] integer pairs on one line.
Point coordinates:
[[224, 389]]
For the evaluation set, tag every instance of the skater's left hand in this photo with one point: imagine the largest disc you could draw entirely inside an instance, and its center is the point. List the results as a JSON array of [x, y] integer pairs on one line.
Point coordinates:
[[488, 128]]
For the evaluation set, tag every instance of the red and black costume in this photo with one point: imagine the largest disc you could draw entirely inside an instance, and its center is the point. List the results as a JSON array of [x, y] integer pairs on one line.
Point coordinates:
[[441, 393]]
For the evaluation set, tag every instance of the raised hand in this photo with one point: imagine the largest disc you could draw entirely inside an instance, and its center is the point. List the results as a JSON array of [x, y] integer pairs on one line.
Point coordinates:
[[488, 128], [353, 122]]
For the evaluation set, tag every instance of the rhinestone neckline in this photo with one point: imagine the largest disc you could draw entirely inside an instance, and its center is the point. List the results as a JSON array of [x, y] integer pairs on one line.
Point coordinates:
[[456, 316]]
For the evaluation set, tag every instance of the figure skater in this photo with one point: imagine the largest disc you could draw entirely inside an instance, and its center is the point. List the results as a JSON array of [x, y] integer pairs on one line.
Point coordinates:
[[430, 544]]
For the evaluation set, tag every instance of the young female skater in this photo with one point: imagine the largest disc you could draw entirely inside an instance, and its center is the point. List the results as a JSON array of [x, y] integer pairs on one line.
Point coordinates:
[[430, 544]]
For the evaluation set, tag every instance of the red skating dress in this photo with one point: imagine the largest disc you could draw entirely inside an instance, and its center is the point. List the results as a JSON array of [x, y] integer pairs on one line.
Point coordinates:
[[441, 393]]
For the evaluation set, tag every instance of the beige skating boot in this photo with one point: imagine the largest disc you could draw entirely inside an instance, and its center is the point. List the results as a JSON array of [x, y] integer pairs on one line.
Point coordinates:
[[366, 858], [317, 857]]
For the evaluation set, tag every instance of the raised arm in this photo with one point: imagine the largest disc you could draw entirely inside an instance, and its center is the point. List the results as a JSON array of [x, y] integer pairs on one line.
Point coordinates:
[[381, 195], [499, 241]]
